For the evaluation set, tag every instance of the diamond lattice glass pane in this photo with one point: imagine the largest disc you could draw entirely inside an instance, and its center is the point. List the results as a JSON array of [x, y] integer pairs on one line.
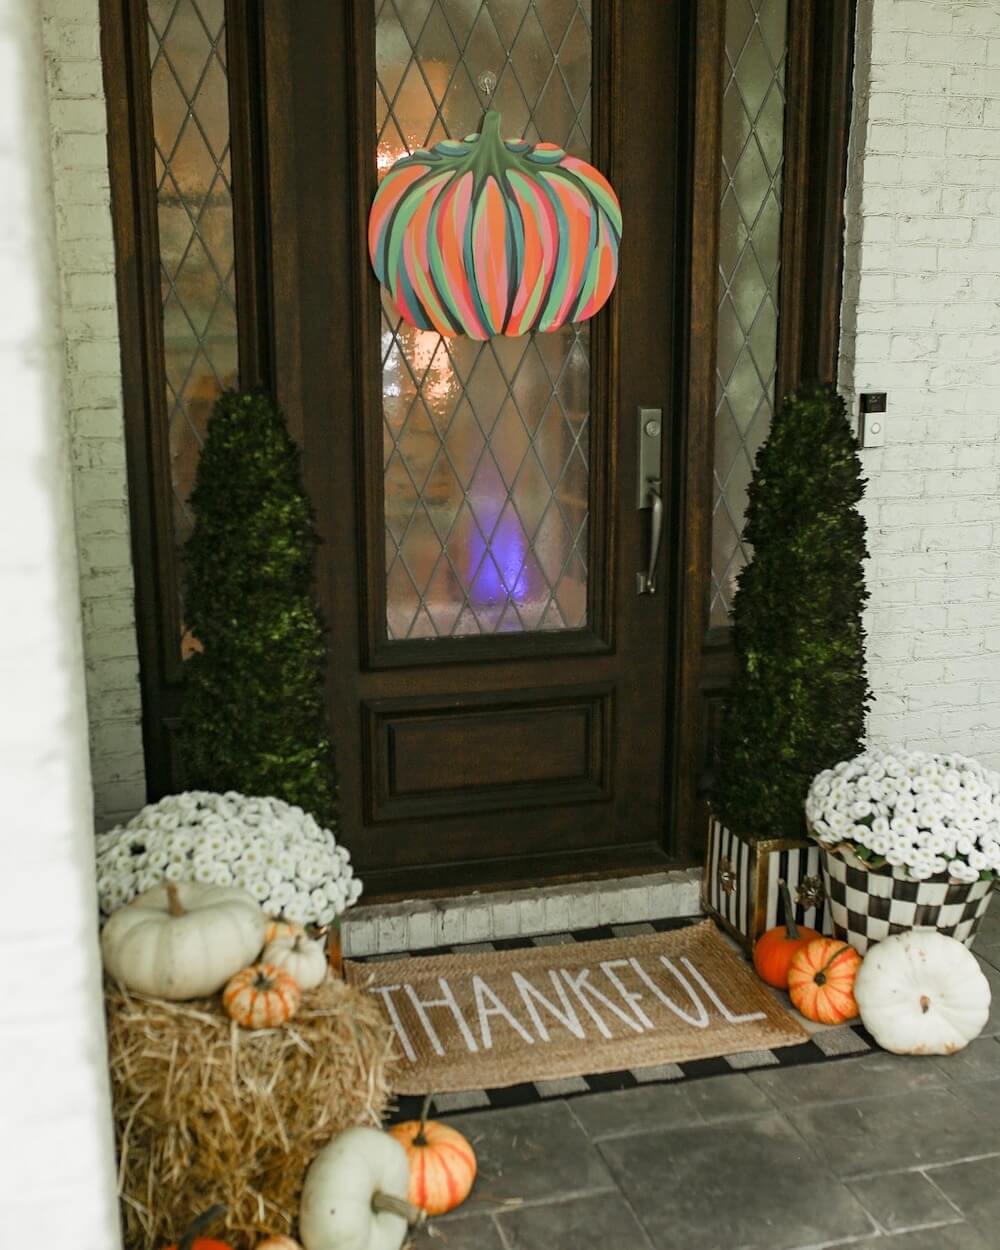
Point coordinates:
[[190, 105], [753, 114], [485, 444]]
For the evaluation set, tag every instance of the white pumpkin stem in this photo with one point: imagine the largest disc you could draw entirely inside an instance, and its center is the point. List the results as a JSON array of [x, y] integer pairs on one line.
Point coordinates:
[[174, 904], [398, 1206]]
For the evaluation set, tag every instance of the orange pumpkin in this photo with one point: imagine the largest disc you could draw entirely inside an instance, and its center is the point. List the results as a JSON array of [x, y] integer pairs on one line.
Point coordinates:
[[442, 1163], [191, 1240], [821, 981], [774, 949], [262, 996], [278, 1242]]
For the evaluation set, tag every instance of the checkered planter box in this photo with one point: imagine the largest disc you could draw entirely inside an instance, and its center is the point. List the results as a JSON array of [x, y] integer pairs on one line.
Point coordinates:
[[869, 905], [740, 884]]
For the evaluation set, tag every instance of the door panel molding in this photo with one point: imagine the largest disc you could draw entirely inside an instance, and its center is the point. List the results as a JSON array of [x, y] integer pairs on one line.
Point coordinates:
[[536, 750]]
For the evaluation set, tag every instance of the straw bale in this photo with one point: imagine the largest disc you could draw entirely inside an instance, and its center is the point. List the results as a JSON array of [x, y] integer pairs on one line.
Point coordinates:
[[208, 1112]]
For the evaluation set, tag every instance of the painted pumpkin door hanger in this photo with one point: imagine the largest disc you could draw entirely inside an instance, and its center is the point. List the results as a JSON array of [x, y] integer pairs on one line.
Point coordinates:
[[485, 236]]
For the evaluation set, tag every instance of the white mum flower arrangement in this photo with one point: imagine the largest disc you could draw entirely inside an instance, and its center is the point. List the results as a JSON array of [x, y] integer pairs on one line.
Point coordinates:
[[926, 816], [276, 852]]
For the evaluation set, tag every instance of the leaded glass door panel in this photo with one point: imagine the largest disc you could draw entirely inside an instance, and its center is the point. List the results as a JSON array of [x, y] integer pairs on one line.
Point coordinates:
[[498, 688], [486, 444]]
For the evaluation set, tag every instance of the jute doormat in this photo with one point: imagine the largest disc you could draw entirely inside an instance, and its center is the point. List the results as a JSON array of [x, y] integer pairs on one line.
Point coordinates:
[[496, 1018]]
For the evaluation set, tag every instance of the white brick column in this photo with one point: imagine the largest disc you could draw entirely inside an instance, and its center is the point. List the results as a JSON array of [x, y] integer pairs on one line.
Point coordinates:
[[922, 322], [71, 34], [57, 1179]]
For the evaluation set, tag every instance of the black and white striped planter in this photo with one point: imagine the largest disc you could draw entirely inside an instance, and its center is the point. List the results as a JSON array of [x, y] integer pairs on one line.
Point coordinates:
[[740, 885], [867, 905]]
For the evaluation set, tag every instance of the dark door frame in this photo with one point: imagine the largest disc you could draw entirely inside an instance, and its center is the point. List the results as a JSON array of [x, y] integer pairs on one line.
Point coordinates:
[[821, 35]]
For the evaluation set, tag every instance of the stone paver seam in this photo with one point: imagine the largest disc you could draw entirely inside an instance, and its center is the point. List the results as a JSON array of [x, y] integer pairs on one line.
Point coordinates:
[[639, 1221], [934, 1185], [850, 1241], [940, 1082], [912, 1228], [548, 1200], [925, 1168], [500, 1232], [699, 1122], [560, 1201]]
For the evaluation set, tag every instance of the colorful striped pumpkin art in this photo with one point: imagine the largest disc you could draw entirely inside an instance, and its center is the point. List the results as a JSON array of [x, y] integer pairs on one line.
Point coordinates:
[[484, 236]]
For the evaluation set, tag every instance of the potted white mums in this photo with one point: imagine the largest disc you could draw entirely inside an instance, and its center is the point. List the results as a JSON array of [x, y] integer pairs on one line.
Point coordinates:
[[910, 840], [293, 867]]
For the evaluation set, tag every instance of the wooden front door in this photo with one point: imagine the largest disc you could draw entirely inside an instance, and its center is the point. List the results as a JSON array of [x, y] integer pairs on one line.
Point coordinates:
[[501, 694]]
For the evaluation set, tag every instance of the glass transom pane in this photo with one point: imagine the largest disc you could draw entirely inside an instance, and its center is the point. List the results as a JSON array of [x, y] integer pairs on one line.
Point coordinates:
[[190, 102], [753, 119], [486, 445]]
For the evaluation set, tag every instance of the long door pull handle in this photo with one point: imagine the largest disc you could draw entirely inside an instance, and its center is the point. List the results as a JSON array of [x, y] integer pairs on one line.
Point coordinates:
[[646, 582]]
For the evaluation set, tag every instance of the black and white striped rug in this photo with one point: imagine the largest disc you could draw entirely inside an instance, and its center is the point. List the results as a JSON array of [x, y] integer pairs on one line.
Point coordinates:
[[824, 1046]]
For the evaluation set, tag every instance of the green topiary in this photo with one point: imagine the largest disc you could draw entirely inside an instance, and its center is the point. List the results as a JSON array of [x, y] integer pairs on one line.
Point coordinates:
[[253, 705], [800, 696]]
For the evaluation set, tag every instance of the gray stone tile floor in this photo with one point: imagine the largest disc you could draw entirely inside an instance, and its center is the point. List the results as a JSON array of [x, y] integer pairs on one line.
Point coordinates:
[[879, 1152]]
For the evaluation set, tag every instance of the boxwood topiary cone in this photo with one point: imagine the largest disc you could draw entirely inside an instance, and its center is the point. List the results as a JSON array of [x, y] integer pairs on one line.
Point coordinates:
[[253, 716], [800, 696]]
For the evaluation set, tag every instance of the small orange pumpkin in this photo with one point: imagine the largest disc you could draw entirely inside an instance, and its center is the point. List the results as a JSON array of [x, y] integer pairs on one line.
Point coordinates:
[[262, 996], [821, 981], [442, 1162], [774, 949], [191, 1240], [278, 1242]]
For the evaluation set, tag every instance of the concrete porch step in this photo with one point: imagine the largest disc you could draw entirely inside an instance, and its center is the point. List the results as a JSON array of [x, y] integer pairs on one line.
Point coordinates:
[[416, 924]]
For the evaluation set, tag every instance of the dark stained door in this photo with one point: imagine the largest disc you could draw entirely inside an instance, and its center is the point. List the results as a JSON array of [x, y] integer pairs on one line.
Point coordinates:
[[499, 690]]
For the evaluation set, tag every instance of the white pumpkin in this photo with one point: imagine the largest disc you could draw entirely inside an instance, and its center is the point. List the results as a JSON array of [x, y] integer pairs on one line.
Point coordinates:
[[354, 1195], [299, 955], [183, 941], [922, 993]]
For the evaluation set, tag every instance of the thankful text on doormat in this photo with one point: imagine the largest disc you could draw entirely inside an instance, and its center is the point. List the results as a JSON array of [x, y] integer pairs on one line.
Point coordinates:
[[487, 1019]]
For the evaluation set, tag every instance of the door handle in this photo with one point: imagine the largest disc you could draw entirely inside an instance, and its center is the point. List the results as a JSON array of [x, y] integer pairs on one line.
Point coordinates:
[[646, 582], [649, 495]]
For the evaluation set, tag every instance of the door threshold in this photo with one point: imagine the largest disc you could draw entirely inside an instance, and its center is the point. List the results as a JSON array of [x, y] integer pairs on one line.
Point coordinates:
[[434, 881], [402, 925]]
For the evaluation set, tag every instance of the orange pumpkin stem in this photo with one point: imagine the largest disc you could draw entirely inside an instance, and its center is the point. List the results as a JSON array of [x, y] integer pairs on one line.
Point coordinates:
[[203, 1222], [175, 906], [398, 1206], [820, 977], [420, 1139], [786, 901]]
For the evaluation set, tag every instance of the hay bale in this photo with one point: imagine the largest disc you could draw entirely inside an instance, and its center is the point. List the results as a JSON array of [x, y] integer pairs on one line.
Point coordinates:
[[208, 1112]]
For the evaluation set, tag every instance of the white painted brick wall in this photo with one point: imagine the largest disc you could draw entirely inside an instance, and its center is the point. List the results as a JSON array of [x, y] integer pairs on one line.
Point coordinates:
[[922, 322], [77, 115], [57, 1182]]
